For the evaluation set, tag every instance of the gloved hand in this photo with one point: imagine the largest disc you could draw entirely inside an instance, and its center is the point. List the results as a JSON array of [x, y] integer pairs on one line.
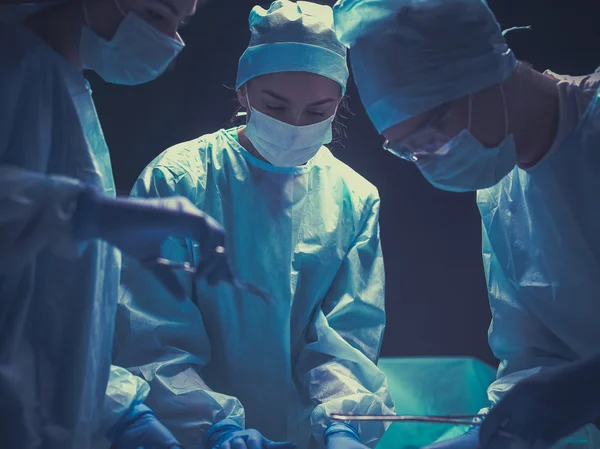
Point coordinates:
[[546, 407], [141, 429], [139, 227], [342, 436], [468, 440], [227, 434]]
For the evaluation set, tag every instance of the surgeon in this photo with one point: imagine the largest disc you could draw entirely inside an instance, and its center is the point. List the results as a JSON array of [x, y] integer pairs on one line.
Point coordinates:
[[227, 369], [441, 85], [61, 227]]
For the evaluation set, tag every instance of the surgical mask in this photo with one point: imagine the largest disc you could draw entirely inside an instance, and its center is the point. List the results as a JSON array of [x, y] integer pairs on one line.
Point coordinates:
[[136, 54], [285, 145], [464, 164]]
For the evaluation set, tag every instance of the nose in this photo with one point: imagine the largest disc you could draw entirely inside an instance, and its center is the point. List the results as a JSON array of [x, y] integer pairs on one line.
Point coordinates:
[[296, 118]]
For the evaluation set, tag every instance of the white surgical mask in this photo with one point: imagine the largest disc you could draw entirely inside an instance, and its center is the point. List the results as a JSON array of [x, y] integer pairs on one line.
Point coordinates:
[[285, 145], [136, 54], [464, 164]]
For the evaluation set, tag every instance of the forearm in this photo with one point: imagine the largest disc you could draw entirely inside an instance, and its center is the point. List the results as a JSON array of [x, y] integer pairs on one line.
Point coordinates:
[[37, 212], [123, 393], [345, 387]]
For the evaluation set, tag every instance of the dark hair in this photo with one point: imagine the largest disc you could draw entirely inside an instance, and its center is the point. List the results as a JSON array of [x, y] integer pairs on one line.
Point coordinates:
[[339, 127]]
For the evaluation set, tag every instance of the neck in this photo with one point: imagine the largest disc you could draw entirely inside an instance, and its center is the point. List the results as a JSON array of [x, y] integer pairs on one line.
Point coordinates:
[[245, 142], [533, 108], [60, 28]]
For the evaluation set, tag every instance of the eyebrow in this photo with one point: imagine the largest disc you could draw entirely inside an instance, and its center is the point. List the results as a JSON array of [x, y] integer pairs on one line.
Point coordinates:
[[285, 100]]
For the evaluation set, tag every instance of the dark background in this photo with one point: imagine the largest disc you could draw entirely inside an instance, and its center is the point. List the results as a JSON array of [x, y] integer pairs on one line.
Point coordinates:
[[436, 292]]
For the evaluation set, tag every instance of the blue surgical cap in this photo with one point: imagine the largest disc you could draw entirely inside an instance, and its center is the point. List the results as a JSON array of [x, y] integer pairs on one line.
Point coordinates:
[[293, 37], [409, 56]]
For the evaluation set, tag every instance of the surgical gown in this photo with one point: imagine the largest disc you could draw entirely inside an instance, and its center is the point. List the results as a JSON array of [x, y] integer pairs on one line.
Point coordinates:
[[309, 236], [541, 248], [57, 298]]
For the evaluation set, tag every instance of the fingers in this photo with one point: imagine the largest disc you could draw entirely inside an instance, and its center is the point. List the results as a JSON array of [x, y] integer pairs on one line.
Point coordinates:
[[219, 270], [237, 443], [214, 262], [490, 426], [210, 236], [254, 440], [281, 445], [168, 278], [505, 426]]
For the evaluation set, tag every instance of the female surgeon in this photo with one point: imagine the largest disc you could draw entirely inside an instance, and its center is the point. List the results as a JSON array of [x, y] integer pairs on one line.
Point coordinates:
[[225, 368]]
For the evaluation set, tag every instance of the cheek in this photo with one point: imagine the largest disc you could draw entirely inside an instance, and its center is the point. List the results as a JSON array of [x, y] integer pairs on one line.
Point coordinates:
[[451, 128], [456, 121]]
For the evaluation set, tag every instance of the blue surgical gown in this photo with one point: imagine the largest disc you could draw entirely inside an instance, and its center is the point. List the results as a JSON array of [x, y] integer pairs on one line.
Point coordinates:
[[57, 298], [541, 248], [309, 236]]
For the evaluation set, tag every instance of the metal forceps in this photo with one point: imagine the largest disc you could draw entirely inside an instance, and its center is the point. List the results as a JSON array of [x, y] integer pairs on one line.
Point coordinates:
[[467, 420], [189, 268]]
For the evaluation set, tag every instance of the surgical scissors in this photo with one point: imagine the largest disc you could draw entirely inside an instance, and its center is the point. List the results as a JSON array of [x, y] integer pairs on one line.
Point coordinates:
[[237, 283]]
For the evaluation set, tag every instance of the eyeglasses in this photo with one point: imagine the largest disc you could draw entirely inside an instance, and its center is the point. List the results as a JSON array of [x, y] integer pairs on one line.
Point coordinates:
[[425, 141]]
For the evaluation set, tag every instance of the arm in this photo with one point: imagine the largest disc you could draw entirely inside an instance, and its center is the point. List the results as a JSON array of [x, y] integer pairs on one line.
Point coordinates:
[[546, 407], [36, 207], [337, 366], [124, 393], [165, 342]]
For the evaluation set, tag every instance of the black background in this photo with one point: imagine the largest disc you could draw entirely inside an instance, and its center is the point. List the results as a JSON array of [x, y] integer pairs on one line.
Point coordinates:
[[436, 292]]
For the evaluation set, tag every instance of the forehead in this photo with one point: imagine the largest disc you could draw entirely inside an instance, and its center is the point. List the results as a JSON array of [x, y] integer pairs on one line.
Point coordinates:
[[298, 85]]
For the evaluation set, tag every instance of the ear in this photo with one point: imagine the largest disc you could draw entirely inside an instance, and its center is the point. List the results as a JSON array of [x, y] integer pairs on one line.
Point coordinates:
[[241, 96]]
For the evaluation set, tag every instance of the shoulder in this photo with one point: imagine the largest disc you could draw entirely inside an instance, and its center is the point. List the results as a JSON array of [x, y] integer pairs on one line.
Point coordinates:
[[30, 72], [21, 52], [191, 156], [180, 168]]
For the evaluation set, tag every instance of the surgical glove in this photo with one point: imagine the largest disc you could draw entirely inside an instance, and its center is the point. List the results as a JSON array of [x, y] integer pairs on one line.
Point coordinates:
[[547, 407], [342, 436], [468, 440], [227, 434], [141, 429], [139, 227]]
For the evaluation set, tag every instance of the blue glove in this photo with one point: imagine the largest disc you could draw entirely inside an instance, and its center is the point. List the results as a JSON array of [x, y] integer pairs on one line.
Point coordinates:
[[141, 429], [227, 434], [547, 407], [342, 436], [139, 227], [468, 440]]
